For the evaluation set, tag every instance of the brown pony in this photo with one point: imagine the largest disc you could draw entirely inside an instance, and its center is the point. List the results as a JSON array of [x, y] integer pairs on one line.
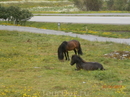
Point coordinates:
[[68, 46]]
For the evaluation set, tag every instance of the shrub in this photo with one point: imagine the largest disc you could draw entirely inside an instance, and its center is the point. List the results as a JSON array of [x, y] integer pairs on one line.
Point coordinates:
[[14, 14]]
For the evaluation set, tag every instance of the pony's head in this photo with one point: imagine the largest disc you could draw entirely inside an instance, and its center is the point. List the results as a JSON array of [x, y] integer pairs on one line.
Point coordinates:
[[61, 50], [60, 54], [75, 59]]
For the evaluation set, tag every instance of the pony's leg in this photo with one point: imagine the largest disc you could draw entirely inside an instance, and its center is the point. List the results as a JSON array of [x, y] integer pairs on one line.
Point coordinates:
[[77, 67], [65, 55], [68, 55], [75, 51]]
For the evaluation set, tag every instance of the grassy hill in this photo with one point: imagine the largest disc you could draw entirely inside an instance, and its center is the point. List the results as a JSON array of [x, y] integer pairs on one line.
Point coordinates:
[[29, 67], [43, 6], [50, 6]]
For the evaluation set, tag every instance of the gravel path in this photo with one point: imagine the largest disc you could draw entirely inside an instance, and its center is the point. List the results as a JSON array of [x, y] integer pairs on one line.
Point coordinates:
[[87, 37]]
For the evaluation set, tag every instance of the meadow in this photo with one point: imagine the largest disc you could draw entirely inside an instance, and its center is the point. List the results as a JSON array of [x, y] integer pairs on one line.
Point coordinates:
[[51, 6], [29, 67], [43, 6], [115, 31], [60, 6]]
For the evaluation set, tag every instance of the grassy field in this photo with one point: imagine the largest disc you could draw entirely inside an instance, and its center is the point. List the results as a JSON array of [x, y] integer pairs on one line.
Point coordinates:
[[50, 6], [29, 67], [43, 6], [115, 31]]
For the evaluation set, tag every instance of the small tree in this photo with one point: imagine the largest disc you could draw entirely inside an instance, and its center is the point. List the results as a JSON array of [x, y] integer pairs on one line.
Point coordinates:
[[3, 13], [15, 14], [110, 4], [80, 4], [128, 6], [25, 15], [88, 5], [120, 5]]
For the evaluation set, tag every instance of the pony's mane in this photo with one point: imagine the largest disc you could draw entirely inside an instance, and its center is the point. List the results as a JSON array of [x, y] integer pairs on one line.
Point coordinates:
[[79, 58], [63, 46], [61, 49], [64, 42]]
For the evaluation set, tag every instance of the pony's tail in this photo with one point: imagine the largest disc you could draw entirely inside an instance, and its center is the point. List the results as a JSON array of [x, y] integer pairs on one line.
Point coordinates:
[[80, 50]]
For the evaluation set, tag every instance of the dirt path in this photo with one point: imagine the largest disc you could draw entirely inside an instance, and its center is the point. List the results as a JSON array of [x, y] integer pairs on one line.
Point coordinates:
[[87, 37]]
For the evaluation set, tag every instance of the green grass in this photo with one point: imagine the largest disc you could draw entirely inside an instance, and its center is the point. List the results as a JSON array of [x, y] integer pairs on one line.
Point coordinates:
[[40, 4], [43, 7], [29, 67], [115, 31], [10, 0], [55, 7], [33, 0]]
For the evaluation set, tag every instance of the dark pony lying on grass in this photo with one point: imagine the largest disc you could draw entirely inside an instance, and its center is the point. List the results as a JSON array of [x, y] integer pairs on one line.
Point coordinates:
[[81, 64], [68, 46]]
